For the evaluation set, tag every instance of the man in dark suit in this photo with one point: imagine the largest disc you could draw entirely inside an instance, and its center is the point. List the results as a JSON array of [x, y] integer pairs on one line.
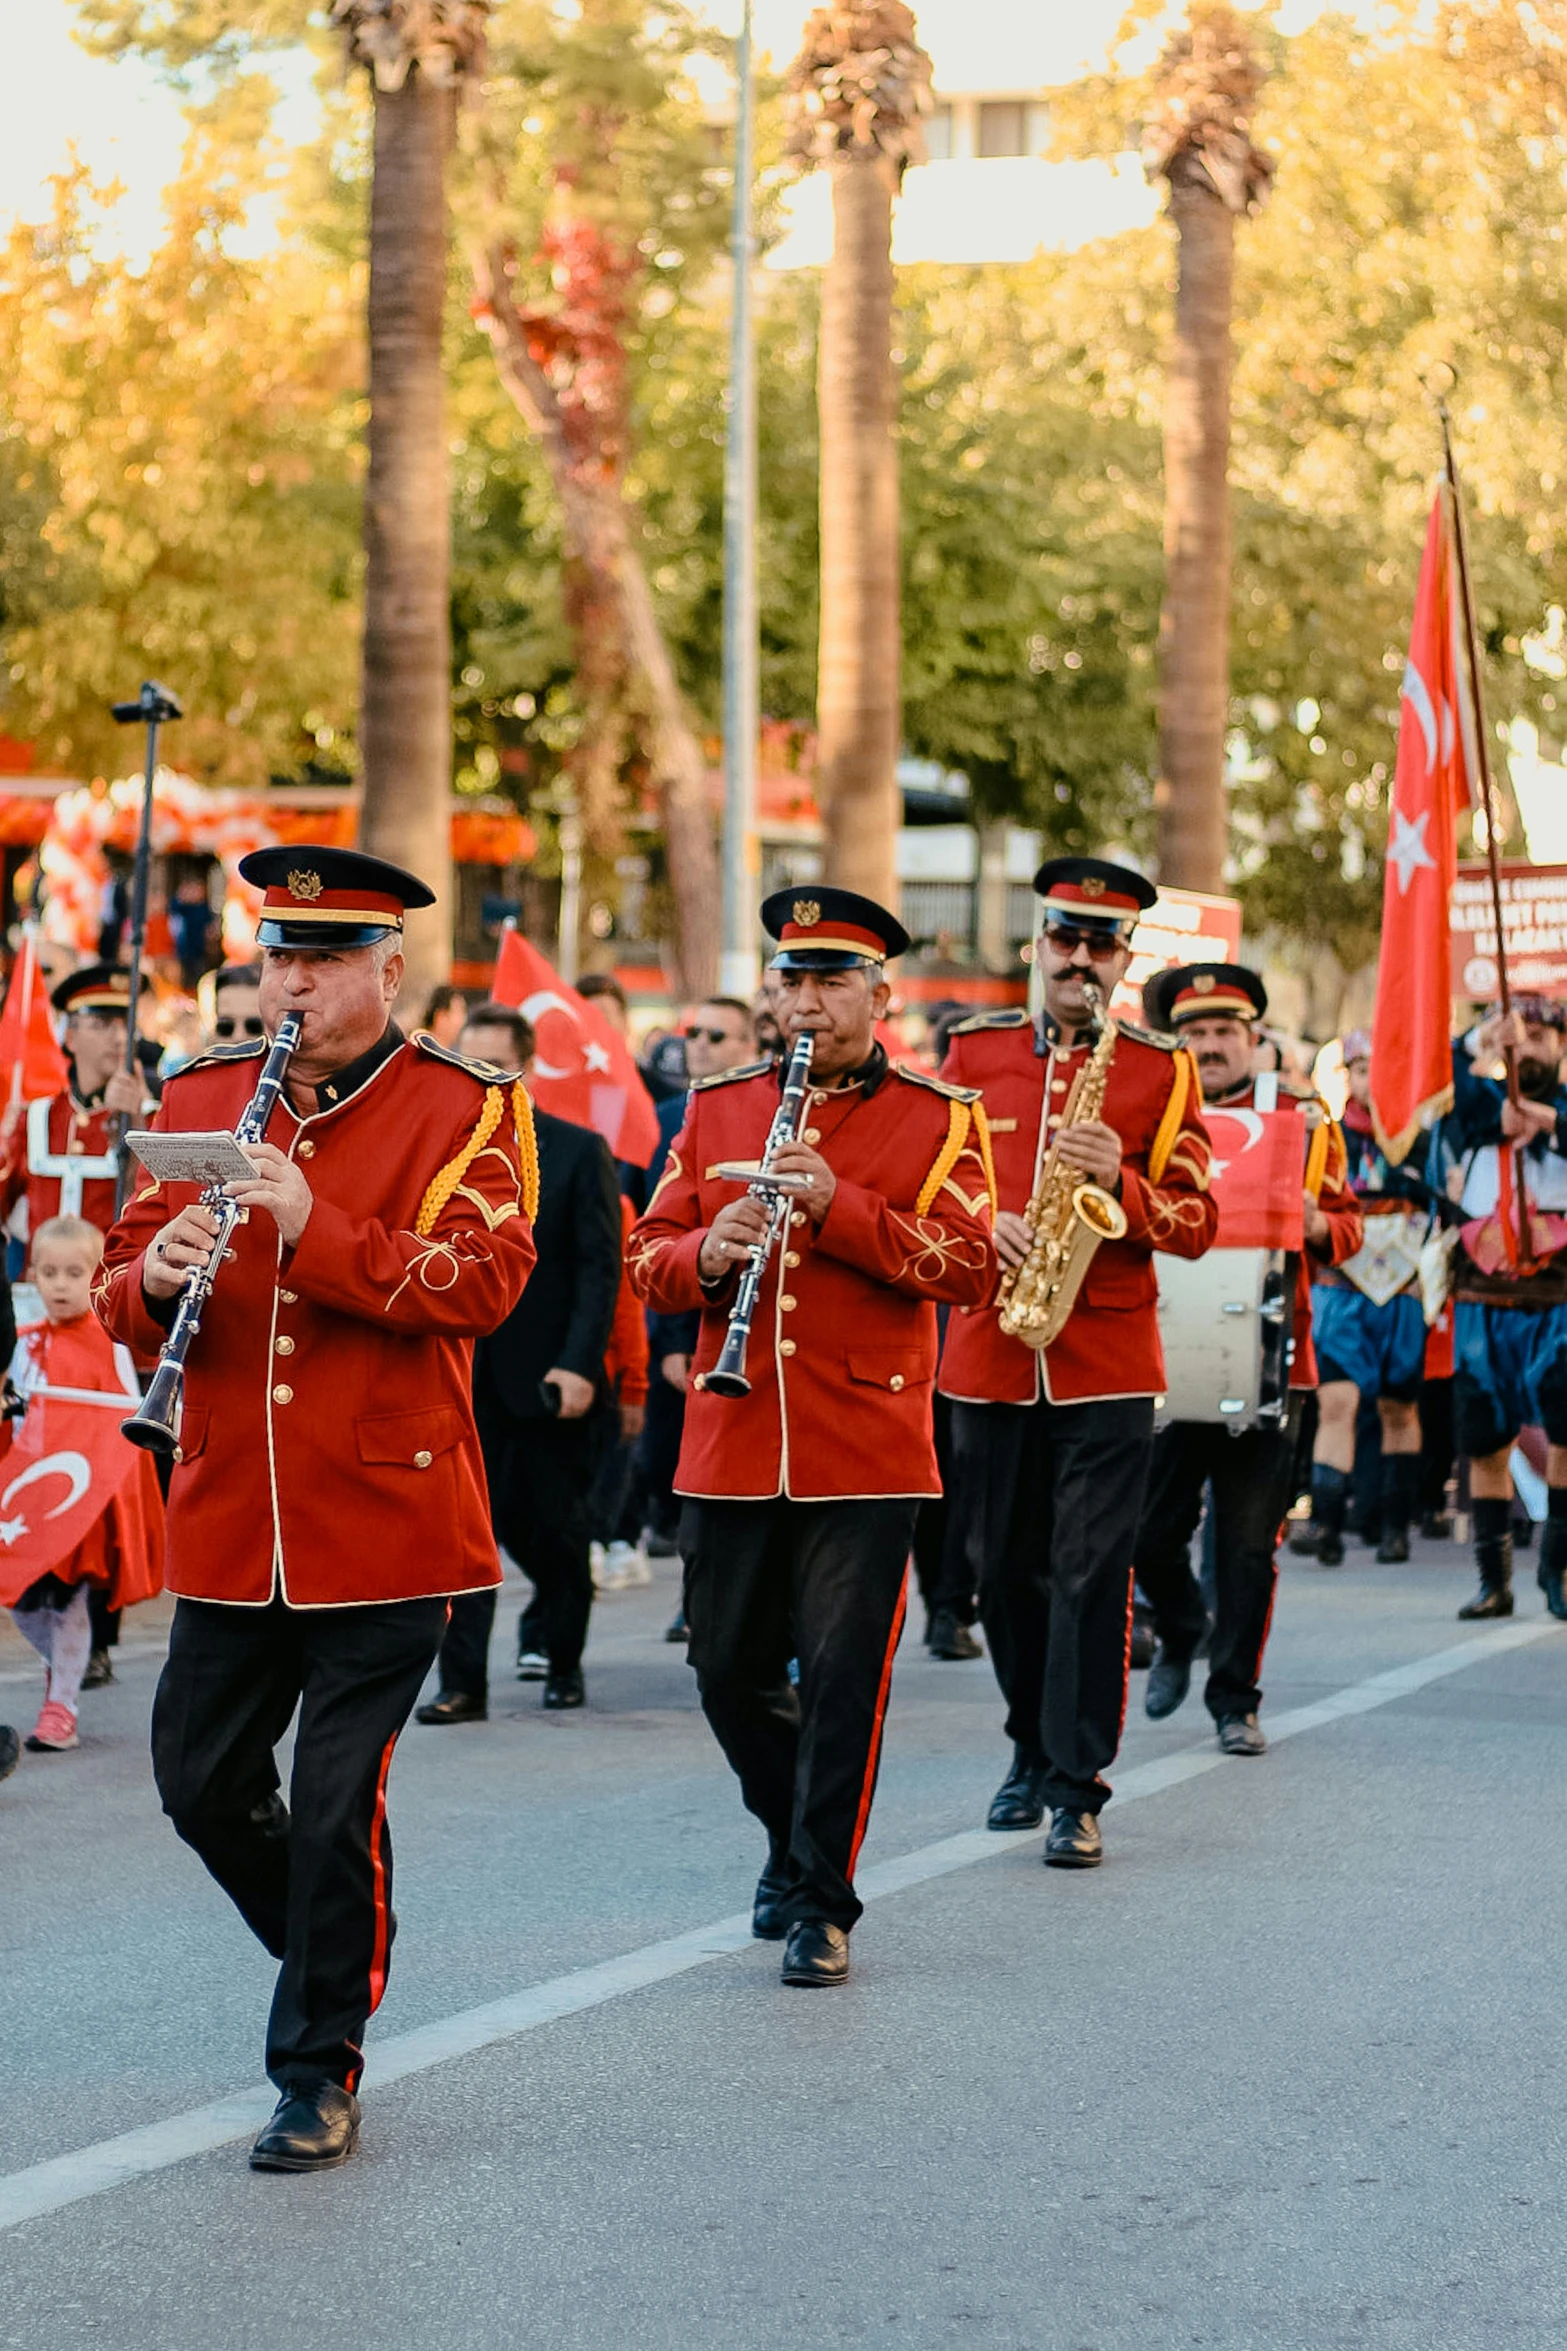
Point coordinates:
[[536, 1383]]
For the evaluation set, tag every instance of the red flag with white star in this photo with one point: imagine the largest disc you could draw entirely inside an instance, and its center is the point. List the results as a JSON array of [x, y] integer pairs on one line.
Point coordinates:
[[1433, 784], [583, 1070]]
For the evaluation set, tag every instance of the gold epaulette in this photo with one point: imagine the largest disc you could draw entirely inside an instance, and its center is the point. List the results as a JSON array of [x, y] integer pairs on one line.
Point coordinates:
[[484, 1072], [731, 1077], [1161, 1039], [923, 1077], [250, 1050], [1015, 1017]]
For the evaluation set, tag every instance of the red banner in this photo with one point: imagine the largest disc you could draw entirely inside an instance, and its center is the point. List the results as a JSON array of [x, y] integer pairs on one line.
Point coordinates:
[[583, 1071], [1534, 930], [31, 1062], [1411, 1067], [1259, 1177]]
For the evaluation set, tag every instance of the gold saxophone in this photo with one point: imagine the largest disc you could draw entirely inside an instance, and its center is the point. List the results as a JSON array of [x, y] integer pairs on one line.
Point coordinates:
[[1068, 1216]]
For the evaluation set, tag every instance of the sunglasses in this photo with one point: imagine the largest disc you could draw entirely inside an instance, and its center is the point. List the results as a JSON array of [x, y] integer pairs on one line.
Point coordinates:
[[712, 1036], [227, 1026], [1065, 938]]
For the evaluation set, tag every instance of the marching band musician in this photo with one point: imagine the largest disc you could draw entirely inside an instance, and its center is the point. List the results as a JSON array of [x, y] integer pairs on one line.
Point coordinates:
[[1212, 1008], [62, 1156], [1370, 1342], [328, 1494], [800, 1497], [1050, 1446]]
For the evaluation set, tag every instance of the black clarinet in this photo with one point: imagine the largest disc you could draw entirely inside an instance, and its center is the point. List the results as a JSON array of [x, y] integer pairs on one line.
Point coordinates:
[[727, 1377], [156, 1426]]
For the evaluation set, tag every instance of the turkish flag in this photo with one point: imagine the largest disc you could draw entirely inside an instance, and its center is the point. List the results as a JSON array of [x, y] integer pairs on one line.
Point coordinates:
[[1433, 783], [65, 1465], [1258, 1177], [583, 1068], [31, 1062]]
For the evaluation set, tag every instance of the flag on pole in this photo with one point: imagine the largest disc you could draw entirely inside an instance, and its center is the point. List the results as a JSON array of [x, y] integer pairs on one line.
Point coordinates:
[[583, 1070], [31, 1062], [1435, 780]]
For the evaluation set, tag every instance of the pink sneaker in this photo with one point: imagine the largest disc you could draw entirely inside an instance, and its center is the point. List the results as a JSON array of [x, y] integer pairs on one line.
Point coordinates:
[[54, 1731]]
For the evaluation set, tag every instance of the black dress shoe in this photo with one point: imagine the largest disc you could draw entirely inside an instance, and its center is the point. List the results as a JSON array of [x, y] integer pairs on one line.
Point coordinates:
[[1144, 1647], [769, 1911], [10, 1750], [1074, 1841], [1393, 1550], [815, 1953], [1305, 1540], [1242, 1734], [454, 1706], [1490, 1600], [565, 1689], [1330, 1550], [1549, 1580], [1019, 1802], [100, 1669], [678, 1629], [1169, 1679], [1436, 1527], [314, 2129], [948, 1638]]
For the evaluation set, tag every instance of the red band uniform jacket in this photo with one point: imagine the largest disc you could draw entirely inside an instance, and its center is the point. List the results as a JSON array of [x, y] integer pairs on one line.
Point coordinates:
[[1327, 1180], [327, 1449], [842, 1358], [61, 1157], [1110, 1345]]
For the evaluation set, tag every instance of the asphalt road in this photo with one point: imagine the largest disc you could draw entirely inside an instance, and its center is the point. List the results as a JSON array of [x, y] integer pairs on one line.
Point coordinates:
[[1287, 2072]]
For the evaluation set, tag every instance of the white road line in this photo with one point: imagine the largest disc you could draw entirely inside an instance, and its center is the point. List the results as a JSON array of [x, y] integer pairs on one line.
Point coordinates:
[[93, 2171]]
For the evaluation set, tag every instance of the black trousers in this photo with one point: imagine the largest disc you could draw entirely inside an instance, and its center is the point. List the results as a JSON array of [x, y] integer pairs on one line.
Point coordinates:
[[823, 1582], [540, 1475], [312, 1879], [1252, 1476], [1048, 1497]]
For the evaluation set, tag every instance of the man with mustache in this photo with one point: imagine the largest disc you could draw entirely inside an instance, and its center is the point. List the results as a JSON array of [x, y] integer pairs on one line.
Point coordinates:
[[1212, 1008]]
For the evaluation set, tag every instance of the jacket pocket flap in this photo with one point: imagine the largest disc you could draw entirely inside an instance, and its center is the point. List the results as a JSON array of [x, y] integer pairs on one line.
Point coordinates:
[[405, 1436], [194, 1422], [890, 1367]]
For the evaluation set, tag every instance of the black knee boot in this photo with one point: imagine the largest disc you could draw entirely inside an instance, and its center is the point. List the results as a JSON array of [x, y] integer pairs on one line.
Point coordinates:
[[1329, 1500], [1400, 1477], [1494, 1558], [1552, 1570]]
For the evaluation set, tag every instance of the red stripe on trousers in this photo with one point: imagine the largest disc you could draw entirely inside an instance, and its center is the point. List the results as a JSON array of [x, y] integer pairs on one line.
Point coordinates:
[[868, 1787], [1126, 1653], [378, 1878]]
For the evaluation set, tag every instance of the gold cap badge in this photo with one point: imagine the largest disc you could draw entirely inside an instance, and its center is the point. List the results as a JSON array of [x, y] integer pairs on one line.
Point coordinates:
[[1092, 885], [806, 913], [1204, 983], [304, 885]]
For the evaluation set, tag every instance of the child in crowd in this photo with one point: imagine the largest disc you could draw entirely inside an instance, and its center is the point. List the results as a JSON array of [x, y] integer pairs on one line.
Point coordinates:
[[121, 1547]]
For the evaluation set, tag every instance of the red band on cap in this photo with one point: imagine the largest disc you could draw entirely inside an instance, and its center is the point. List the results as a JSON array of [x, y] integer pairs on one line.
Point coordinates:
[[1097, 898], [298, 904], [1197, 1001], [840, 936]]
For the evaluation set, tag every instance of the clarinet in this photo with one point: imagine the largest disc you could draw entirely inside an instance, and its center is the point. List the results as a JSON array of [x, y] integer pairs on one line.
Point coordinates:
[[155, 1427], [727, 1377]]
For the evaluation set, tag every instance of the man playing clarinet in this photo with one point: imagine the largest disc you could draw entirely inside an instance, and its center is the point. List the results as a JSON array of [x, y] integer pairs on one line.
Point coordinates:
[[800, 1496], [1050, 1445], [328, 1491]]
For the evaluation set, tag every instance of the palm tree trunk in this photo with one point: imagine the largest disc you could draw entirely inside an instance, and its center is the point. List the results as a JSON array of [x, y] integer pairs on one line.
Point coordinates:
[[858, 685], [405, 720], [599, 538], [1194, 628]]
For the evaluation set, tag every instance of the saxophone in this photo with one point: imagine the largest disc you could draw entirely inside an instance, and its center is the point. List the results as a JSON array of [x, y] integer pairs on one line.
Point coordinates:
[[1068, 1216]]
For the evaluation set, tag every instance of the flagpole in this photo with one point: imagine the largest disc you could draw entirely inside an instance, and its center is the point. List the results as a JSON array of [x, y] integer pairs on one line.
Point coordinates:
[[1483, 751], [1482, 733]]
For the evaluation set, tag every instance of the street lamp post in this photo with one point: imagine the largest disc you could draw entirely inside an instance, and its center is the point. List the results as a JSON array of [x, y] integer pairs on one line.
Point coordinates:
[[738, 961]]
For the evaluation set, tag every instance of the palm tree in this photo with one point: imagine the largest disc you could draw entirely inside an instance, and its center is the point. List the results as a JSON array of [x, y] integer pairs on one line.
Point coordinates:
[[417, 52], [1199, 140], [861, 83]]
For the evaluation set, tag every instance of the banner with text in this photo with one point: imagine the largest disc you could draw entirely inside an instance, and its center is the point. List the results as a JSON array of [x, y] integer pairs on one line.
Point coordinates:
[[1534, 930]]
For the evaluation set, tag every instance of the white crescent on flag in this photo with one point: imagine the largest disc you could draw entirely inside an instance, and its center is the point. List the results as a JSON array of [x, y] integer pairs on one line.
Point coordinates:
[[533, 1009], [73, 1466]]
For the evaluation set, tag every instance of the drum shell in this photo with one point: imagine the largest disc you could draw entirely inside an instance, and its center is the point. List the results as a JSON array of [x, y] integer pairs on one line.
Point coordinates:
[[1226, 1326]]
